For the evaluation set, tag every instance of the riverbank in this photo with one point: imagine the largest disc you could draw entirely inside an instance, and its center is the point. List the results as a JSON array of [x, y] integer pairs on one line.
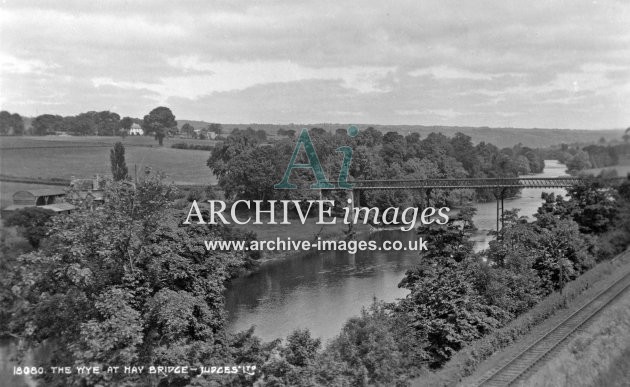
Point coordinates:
[[591, 352], [309, 231], [469, 365]]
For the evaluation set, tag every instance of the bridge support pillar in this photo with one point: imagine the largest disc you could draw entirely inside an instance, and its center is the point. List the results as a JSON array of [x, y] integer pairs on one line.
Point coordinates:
[[498, 214], [499, 194], [502, 196]]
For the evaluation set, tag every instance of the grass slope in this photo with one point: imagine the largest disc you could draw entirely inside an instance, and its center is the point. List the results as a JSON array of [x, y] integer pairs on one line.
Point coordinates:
[[64, 157], [590, 352], [474, 360]]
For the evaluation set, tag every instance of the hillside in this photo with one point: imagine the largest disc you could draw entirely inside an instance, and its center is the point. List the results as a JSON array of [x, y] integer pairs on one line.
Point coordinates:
[[502, 137]]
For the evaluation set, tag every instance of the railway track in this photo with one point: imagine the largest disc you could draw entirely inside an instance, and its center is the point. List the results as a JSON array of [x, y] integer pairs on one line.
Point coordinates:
[[523, 364]]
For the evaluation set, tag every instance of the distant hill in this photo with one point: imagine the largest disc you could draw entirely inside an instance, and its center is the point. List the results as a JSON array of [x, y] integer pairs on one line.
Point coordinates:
[[501, 137]]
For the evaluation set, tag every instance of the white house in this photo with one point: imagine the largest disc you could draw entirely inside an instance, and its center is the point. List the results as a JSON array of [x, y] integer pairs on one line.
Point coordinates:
[[136, 130]]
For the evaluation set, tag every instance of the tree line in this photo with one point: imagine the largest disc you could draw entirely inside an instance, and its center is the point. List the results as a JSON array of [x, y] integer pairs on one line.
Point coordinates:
[[579, 158], [160, 122], [247, 167]]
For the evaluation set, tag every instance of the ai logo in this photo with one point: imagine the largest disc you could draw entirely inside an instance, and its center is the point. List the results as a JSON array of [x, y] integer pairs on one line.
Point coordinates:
[[304, 140]]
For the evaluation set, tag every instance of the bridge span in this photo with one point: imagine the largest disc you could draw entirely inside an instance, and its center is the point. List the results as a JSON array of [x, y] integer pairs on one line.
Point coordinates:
[[520, 182], [498, 185]]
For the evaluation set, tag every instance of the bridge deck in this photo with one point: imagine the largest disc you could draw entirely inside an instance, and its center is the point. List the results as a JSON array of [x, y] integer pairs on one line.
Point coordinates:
[[523, 182]]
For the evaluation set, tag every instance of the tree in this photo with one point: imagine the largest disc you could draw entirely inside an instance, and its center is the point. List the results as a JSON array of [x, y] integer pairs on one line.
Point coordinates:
[[578, 162], [216, 128], [47, 124], [522, 165], [83, 124], [188, 129], [372, 349], [237, 142], [126, 123], [118, 165], [445, 308], [32, 223], [464, 151], [125, 126], [252, 174], [369, 137], [594, 206], [107, 123], [142, 290], [160, 121], [11, 124], [394, 148]]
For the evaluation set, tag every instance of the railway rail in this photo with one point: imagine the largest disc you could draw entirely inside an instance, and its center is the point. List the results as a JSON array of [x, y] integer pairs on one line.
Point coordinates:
[[526, 362]]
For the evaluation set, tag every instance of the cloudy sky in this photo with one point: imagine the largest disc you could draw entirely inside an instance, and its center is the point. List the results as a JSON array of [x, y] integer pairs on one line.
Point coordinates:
[[553, 64]]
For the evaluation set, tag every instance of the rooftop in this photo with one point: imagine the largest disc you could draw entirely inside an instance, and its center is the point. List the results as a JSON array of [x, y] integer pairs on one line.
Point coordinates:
[[43, 192]]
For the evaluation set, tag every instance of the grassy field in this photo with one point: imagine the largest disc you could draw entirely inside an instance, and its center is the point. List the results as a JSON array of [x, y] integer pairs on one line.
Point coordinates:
[[65, 156], [590, 352]]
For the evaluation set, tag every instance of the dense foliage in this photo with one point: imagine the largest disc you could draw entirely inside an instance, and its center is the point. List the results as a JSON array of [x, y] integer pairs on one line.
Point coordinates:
[[185, 145], [580, 157], [160, 122], [103, 123], [142, 290], [31, 222], [248, 168], [11, 124]]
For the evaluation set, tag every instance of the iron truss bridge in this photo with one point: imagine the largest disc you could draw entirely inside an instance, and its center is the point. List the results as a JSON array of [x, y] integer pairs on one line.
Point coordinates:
[[522, 182]]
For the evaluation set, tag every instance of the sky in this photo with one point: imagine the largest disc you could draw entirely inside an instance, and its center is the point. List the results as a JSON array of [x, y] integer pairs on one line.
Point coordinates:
[[546, 64]]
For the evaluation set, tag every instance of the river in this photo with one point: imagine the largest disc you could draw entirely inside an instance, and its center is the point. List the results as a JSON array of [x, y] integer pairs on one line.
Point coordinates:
[[321, 291]]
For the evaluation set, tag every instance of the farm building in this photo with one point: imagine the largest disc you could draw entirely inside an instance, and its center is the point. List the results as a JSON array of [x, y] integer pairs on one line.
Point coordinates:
[[87, 190], [136, 130], [208, 134], [48, 198], [38, 197]]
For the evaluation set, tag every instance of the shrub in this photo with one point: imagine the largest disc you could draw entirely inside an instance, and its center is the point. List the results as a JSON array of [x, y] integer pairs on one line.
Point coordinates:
[[184, 145], [31, 222]]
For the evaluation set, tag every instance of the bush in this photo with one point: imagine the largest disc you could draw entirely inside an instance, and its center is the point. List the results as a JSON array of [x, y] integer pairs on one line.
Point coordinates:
[[184, 145], [31, 223]]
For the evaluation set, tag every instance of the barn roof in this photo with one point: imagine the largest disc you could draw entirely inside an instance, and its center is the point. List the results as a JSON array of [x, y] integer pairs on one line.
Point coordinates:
[[59, 207], [43, 192]]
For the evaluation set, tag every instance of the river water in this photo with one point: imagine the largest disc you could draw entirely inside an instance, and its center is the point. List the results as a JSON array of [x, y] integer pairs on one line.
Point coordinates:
[[321, 291]]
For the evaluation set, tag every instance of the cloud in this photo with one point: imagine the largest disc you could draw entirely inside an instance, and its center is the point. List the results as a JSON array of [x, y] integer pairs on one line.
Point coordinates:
[[552, 63]]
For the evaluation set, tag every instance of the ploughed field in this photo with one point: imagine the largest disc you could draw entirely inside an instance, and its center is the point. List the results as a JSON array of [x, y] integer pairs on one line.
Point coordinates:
[[66, 156]]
